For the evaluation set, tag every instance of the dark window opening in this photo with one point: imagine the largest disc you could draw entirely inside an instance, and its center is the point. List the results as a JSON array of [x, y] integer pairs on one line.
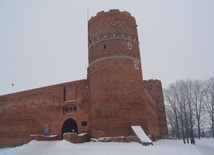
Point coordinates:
[[84, 123], [104, 46], [75, 108], [129, 46], [70, 108], [66, 109]]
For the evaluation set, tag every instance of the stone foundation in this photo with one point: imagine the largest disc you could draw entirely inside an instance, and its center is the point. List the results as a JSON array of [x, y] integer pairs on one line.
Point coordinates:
[[44, 137], [120, 139], [76, 138]]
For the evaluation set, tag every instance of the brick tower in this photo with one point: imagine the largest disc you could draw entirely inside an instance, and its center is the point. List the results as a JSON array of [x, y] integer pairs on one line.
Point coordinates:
[[114, 75]]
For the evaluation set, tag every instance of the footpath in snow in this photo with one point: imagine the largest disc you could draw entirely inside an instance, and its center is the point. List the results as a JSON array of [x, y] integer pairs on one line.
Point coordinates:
[[63, 147]]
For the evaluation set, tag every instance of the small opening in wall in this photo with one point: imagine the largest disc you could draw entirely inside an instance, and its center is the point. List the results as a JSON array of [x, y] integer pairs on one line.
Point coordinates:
[[66, 109], [104, 46], [129, 46], [84, 123], [70, 108], [75, 108]]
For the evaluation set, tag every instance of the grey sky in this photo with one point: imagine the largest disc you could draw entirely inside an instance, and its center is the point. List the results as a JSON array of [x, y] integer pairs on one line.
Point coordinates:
[[44, 42]]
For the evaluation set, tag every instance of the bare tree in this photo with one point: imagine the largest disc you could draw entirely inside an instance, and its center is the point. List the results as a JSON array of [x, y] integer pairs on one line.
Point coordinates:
[[172, 110], [185, 108], [209, 101], [198, 103]]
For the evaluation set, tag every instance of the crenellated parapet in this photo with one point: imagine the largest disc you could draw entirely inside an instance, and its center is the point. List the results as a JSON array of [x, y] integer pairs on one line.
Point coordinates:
[[106, 26]]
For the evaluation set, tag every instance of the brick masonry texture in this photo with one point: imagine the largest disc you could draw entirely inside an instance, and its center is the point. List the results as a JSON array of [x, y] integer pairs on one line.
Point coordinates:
[[106, 104]]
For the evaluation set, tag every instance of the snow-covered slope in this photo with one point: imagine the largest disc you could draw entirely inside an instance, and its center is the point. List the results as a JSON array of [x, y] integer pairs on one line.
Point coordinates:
[[172, 147], [141, 134]]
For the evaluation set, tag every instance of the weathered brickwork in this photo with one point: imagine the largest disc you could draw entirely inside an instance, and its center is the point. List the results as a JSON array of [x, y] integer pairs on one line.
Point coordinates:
[[112, 98], [24, 115], [154, 88]]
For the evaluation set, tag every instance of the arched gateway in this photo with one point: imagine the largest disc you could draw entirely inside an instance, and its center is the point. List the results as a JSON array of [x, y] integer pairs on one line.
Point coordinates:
[[69, 125]]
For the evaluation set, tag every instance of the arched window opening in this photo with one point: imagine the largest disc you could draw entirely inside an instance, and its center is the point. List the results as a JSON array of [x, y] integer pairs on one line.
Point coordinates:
[[69, 109]]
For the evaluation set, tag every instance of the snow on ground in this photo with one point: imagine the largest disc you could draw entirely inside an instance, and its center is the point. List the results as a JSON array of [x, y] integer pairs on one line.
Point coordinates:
[[63, 147]]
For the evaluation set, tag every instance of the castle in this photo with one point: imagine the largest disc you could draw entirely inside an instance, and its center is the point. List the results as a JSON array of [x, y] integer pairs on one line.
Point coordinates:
[[113, 98]]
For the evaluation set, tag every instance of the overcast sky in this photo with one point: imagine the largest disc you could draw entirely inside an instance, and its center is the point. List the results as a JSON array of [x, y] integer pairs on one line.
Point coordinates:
[[44, 42]]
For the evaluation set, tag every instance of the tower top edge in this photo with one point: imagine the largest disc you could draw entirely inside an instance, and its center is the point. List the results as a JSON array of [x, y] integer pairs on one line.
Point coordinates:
[[154, 81], [111, 11]]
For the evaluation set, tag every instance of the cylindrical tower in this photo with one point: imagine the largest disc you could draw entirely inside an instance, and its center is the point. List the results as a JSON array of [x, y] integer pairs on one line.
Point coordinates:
[[114, 74]]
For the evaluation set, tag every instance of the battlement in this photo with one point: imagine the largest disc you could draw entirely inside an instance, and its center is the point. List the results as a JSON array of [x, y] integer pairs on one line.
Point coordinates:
[[111, 11], [102, 15], [153, 82]]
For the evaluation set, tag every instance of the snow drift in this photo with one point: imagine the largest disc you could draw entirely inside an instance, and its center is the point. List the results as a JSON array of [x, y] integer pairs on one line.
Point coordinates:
[[63, 147]]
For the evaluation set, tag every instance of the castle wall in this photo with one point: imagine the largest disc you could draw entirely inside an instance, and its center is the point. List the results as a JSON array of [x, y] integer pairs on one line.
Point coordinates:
[[154, 88], [24, 115], [151, 117]]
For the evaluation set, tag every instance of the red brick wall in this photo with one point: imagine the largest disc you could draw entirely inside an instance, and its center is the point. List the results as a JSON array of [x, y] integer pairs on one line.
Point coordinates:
[[154, 88], [25, 113]]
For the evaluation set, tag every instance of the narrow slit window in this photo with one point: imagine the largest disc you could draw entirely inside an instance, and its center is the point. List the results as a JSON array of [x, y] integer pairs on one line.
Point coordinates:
[[129, 46], [104, 46]]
